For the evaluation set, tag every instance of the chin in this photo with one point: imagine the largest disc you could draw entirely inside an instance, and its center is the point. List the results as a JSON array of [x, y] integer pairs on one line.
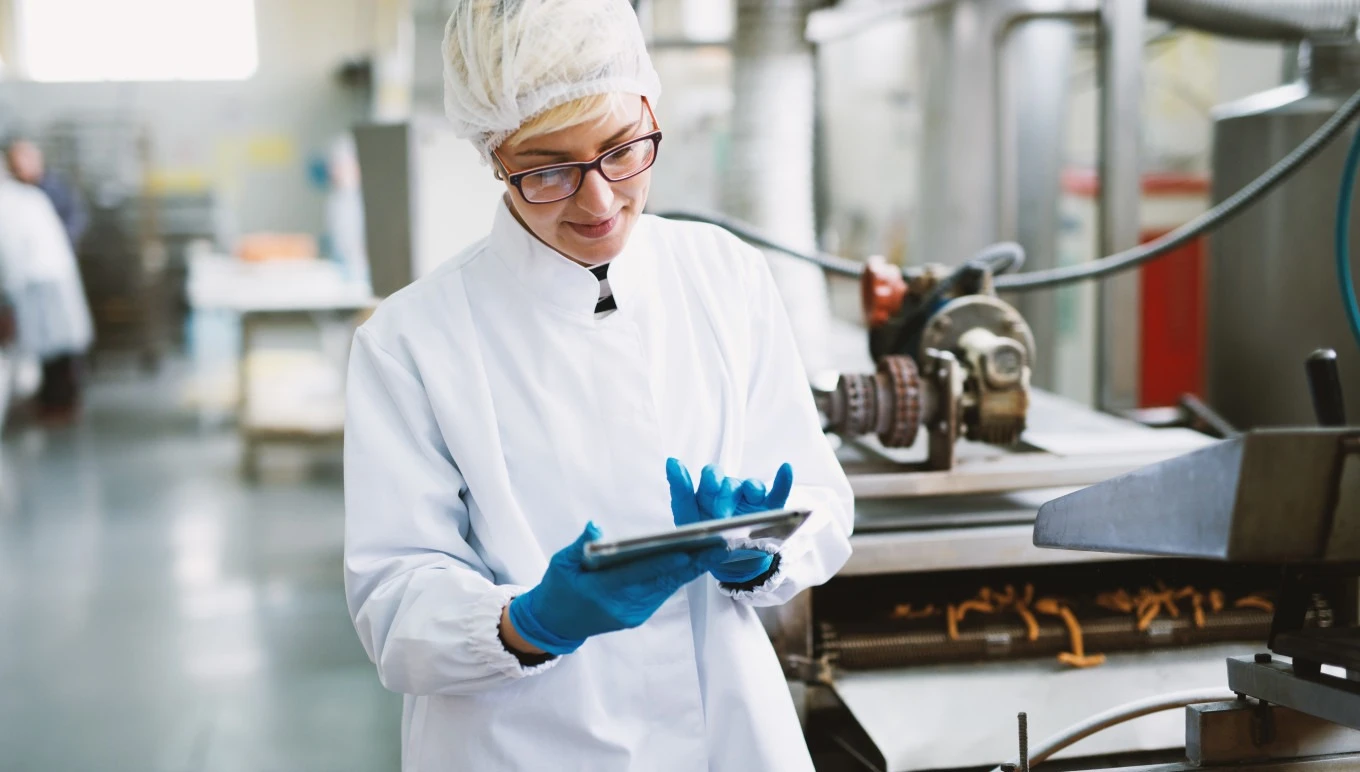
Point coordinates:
[[596, 251]]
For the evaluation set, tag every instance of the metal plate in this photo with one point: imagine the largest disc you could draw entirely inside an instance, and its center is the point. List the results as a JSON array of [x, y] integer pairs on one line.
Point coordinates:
[[964, 715], [1326, 697], [955, 549], [1268, 496]]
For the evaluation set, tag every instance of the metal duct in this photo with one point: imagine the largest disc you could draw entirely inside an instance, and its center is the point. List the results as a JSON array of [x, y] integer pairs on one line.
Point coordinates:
[[1262, 19], [768, 178]]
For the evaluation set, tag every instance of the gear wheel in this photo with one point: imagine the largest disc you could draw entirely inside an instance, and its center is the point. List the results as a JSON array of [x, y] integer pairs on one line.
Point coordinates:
[[903, 382], [859, 395]]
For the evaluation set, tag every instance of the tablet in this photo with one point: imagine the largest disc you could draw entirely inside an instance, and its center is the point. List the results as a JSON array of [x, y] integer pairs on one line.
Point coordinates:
[[760, 530]]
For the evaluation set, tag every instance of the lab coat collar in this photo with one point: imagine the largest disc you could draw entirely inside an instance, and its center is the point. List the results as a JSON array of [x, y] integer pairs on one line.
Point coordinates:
[[553, 279]]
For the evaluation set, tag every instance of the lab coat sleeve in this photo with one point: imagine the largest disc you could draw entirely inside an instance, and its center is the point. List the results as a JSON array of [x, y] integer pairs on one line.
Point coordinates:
[[783, 426], [423, 602]]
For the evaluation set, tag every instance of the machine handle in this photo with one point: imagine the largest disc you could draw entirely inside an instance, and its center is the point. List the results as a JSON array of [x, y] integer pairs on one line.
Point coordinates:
[[1324, 382]]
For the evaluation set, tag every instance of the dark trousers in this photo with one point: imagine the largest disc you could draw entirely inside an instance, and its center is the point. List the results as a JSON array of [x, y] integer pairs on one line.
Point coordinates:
[[60, 389]]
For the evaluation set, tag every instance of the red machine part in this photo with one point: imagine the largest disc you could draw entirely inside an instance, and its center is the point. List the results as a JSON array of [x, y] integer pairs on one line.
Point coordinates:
[[882, 289]]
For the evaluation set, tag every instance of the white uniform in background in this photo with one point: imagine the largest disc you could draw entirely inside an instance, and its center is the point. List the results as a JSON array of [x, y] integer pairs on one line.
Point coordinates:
[[40, 275], [491, 415]]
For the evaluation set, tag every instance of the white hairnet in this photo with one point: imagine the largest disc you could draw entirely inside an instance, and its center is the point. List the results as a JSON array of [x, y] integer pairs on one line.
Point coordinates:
[[506, 61]]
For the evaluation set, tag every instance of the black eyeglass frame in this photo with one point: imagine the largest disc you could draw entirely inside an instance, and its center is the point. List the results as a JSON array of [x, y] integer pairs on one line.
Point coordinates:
[[517, 178]]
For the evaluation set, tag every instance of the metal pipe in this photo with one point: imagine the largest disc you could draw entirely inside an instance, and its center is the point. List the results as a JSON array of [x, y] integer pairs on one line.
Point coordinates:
[[1121, 190], [1124, 714], [769, 173], [1261, 19]]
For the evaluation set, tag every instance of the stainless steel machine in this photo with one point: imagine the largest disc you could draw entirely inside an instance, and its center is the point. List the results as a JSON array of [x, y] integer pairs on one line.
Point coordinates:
[[945, 602], [1269, 270], [1288, 499], [948, 620], [953, 615]]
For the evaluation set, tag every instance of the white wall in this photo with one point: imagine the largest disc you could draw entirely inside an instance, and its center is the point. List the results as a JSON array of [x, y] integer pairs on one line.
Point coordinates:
[[250, 140]]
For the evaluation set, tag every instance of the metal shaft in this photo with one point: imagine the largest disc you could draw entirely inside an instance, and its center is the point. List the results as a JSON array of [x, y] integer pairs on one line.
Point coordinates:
[[1324, 382], [1024, 742]]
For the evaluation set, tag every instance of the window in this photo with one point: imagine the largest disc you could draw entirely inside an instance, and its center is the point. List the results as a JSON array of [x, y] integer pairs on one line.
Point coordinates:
[[129, 40]]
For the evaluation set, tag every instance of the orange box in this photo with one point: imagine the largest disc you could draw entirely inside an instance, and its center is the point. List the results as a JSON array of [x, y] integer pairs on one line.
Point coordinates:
[[264, 247]]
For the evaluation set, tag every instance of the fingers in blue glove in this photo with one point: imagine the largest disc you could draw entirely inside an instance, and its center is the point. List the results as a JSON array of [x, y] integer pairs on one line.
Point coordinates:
[[570, 604], [577, 548], [710, 485], [684, 503], [751, 496], [778, 497], [725, 504]]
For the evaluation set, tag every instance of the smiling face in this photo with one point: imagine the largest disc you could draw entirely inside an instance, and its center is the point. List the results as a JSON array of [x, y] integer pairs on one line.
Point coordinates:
[[592, 226]]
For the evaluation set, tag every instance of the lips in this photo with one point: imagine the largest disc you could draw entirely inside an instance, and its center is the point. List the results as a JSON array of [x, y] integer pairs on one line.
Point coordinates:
[[597, 230]]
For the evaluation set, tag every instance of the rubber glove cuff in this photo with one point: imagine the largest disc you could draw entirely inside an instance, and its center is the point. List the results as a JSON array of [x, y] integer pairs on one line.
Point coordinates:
[[744, 568], [528, 627]]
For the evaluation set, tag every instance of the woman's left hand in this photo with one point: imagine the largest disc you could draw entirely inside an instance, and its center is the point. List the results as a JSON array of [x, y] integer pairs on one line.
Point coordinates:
[[718, 498]]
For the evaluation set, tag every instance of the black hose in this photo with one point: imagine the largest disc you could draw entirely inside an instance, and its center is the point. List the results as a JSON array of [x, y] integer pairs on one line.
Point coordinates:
[[1002, 257], [829, 262], [1106, 266], [1205, 223]]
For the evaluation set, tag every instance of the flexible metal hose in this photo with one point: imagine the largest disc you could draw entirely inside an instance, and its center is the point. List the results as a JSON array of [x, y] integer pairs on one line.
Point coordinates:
[[1123, 714], [747, 233], [1261, 19]]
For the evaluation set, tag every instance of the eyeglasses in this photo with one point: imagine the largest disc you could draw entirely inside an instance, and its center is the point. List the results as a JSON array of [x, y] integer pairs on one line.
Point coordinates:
[[549, 184]]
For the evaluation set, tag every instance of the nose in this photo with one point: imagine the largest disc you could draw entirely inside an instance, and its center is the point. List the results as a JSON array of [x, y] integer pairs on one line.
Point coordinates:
[[596, 196]]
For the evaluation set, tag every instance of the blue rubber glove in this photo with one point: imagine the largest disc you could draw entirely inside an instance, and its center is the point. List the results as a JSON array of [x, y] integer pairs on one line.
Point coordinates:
[[572, 604], [718, 499]]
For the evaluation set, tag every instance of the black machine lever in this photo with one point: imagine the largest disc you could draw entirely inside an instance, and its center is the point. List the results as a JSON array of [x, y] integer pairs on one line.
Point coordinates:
[[1324, 381]]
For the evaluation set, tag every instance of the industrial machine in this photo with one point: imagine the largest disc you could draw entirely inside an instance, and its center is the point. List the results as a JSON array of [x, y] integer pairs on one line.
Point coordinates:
[[945, 601], [946, 605], [1288, 499], [952, 357], [1282, 323]]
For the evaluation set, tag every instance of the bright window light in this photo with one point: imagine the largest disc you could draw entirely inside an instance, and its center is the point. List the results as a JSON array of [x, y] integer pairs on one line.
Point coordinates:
[[127, 40]]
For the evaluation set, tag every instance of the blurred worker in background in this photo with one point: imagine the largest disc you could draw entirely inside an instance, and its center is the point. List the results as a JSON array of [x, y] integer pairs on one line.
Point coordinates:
[[41, 282], [26, 164], [345, 211], [557, 381]]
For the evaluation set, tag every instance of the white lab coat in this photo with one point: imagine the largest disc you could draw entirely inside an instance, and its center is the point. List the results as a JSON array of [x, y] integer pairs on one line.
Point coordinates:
[[491, 415], [38, 272]]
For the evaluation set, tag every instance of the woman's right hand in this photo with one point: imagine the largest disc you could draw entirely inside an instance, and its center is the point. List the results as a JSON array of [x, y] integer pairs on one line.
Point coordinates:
[[572, 604]]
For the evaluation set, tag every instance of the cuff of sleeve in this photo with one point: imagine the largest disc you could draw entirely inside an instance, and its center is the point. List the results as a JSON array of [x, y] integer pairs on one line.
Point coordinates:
[[483, 622], [763, 583]]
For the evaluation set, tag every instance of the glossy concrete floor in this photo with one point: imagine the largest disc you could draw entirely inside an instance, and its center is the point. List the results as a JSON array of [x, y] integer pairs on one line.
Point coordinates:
[[158, 615]]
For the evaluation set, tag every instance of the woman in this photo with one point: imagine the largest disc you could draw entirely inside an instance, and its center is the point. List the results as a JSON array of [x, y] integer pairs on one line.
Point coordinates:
[[558, 380], [40, 278]]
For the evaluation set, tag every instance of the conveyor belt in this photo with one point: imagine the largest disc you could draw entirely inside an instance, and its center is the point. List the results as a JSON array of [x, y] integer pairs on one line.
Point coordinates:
[[860, 647]]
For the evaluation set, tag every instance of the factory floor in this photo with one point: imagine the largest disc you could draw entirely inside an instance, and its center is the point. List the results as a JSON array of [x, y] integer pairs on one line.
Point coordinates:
[[158, 615]]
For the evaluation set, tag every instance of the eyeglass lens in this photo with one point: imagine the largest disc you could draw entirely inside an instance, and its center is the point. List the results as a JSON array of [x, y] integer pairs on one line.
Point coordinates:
[[560, 182]]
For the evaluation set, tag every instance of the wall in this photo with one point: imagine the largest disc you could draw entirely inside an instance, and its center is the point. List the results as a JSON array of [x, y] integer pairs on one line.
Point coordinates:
[[248, 140]]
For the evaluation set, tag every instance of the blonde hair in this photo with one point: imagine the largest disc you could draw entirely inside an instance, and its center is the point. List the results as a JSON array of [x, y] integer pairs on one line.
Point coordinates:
[[592, 109]]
